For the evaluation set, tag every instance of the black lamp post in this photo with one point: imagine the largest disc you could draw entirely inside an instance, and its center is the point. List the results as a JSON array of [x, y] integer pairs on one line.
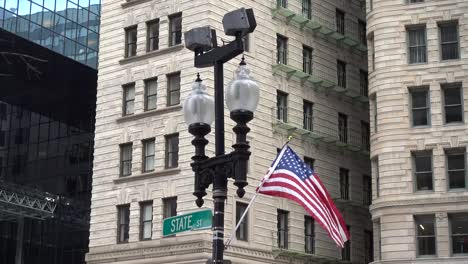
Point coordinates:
[[200, 110]]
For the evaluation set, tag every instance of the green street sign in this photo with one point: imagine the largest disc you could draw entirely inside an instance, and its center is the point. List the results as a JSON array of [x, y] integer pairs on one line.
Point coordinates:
[[193, 221]]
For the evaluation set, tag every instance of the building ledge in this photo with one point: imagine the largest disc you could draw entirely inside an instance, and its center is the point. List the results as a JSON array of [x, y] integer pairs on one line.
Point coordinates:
[[147, 175], [129, 3], [151, 54], [149, 113]]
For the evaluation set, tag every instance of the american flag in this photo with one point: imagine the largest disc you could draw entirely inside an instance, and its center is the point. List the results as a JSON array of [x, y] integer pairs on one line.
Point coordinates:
[[291, 178]]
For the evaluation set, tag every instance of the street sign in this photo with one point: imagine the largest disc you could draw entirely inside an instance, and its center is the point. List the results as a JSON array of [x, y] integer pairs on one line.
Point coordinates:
[[193, 221]]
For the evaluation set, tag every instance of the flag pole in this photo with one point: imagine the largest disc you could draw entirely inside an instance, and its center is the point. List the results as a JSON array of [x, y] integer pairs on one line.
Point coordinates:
[[270, 171]]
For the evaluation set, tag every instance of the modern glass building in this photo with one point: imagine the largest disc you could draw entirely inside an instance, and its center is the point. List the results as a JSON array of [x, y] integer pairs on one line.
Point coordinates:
[[69, 27]]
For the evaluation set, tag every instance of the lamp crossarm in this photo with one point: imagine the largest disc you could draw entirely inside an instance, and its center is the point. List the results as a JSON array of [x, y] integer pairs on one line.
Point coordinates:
[[220, 54]]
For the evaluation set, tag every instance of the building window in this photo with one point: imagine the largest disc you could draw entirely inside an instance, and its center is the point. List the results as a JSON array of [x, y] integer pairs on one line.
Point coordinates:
[[3, 111], [175, 29], [151, 91], [344, 184], [242, 231], [417, 44], [152, 35], [130, 41], [148, 155], [346, 250], [309, 162], [282, 226], [340, 21], [307, 9], [282, 106], [146, 220], [307, 59], [2, 138], [365, 135], [372, 51], [126, 159], [420, 106], [422, 162], [308, 115], [459, 233], [172, 151], [425, 235], [415, 1], [173, 89], [282, 3], [375, 165], [453, 107], [169, 207], [309, 235], [449, 40], [281, 49], [364, 83], [123, 221], [341, 73], [456, 164], [366, 190], [374, 112], [368, 246], [362, 32], [129, 99], [343, 127]]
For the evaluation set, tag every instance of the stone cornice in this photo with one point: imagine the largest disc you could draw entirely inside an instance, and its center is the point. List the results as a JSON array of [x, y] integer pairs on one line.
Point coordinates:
[[147, 175], [151, 54], [149, 113]]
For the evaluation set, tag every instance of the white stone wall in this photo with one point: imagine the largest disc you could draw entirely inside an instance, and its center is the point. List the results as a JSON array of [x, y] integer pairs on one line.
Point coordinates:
[[395, 137], [112, 129]]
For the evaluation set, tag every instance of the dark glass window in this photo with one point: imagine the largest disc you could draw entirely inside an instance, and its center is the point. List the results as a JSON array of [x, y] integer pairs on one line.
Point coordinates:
[[169, 207], [456, 164], [415, 1], [123, 221], [307, 9], [362, 32], [307, 59], [425, 234], [365, 135], [346, 250], [417, 44], [130, 41], [173, 89], [449, 40], [420, 106], [309, 162], [423, 170], [152, 35], [282, 106], [364, 83], [148, 155], [374, 101], [343, 127], [281, 49], [368, 246], [172, 151], [344, 184], [375, 164], [282, 3], [340, 21], [282, 225], [129, 99], [309, 235], [453, 103], [341, 73], [175, 27], [151, 92], [242, 231], [308, 115], [146, 220], [459, 233], [366, 190], [126, 159]]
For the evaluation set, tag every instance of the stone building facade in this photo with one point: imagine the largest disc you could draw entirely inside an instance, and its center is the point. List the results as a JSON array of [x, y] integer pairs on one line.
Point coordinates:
[[310, 61], [418, 74]]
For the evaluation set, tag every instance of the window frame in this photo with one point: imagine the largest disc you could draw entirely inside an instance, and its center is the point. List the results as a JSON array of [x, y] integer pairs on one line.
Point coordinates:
[[150, 37], [410, 2], [344, 184], [364, 83], [340, 27], [362, 34], [369, 251], [413, 28], [365, 135], [127, 161], [126, 226], [366, 190], [167, 154], [309, 237], [147, 95], [170, 91], [177, 39], [308, 161], [282, 3], [442, 24], [282, 114], [245, 222], [281, 49], [307, 9], [143, 221], [307, 59], [145, 155], [343, 130], [308, 116], [127, 49], [423, 153], [283, 240], [419, 89], [417, 224], [341, 74], [456, 152], [347, 247], [125, 101], [445, 87], [451, 216]]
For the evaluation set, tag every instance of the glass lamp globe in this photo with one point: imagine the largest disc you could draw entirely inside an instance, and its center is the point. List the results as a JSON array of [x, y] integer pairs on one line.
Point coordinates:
[[199, 106], [242, 92]]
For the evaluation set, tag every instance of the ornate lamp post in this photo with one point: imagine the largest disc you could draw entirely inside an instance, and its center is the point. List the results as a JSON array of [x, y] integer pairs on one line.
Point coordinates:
[[200, 110]]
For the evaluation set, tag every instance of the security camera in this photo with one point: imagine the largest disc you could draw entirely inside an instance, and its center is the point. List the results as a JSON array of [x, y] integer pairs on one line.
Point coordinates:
[[240, 21], [200, 39]]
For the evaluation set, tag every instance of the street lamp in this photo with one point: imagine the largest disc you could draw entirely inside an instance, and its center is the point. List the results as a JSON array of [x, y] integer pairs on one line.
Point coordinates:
[[242, 97]]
